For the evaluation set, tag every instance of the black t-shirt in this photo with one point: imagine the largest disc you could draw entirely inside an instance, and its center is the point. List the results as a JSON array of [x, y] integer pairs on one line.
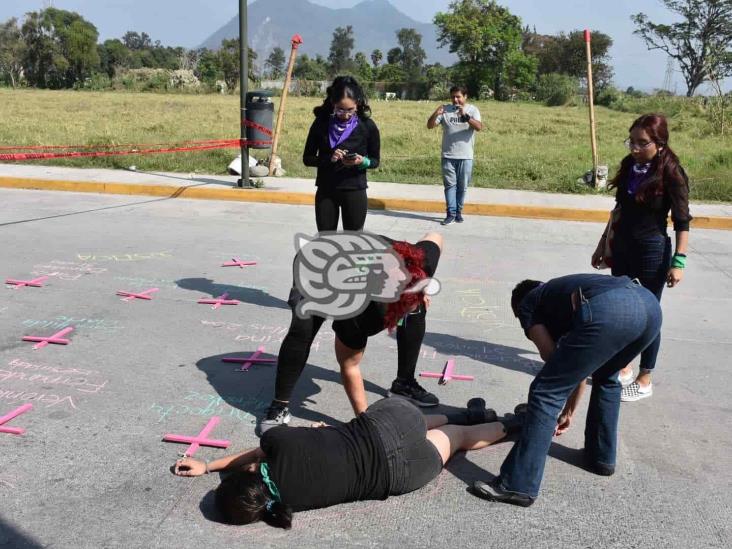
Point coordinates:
[[550, 304], [323, 466], [640, 220], [364, 140]]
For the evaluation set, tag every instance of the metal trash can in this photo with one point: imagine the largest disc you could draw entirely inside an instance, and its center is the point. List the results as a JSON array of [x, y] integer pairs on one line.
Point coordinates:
[[260, 111]]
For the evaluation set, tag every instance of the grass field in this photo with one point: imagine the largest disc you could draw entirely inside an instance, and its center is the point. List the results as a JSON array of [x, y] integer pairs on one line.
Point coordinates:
[[523, 146]]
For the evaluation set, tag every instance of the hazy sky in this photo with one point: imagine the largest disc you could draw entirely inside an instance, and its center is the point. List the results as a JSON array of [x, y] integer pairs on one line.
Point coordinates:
[[189, 22]]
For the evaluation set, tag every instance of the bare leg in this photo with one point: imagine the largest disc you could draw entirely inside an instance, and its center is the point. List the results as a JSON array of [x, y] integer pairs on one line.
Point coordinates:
[[436, 420], [449, 439], [349, 360]]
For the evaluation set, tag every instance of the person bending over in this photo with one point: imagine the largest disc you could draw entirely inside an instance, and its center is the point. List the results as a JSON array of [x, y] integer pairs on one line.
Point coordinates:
[[583, 325], [390, 449], [407, 316]]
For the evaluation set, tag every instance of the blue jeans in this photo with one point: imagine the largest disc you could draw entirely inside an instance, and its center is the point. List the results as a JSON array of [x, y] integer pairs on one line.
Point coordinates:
[[648, 260], [608, 331], [456, 175]]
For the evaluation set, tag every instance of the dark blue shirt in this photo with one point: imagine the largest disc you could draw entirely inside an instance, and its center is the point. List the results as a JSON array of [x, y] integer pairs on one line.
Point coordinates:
[[550, 303]]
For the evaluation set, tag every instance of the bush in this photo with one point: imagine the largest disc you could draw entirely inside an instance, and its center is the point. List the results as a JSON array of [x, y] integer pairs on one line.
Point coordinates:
[[184, 79], [607, 96], [439, 92], [556, 90], [142, 80], [96, 82]]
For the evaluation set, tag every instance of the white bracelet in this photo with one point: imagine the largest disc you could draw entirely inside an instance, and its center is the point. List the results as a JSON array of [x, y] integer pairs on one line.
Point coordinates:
[[206, 463]]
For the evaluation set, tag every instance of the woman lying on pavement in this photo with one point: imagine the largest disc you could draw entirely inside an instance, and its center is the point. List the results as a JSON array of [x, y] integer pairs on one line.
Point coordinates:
[[390, 449]]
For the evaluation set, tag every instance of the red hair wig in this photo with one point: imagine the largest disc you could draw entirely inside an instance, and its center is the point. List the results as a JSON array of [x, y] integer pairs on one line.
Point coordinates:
[[414, 262]]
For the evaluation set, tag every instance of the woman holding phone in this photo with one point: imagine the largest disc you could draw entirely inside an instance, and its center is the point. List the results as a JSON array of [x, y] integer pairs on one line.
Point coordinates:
[[342, 144]]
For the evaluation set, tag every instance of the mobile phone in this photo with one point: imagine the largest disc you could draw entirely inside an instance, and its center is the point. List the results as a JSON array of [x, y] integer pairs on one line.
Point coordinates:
[[351, 156]]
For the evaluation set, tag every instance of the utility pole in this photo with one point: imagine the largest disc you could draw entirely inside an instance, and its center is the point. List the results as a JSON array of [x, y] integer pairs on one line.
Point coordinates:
[[243, 83], [591, 102]]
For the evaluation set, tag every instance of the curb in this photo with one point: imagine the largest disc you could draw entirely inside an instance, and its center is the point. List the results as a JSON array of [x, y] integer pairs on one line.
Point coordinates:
[[278, 197]]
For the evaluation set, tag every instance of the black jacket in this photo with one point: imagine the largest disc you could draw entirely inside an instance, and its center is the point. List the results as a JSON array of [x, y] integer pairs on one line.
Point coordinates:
[[364, 140]]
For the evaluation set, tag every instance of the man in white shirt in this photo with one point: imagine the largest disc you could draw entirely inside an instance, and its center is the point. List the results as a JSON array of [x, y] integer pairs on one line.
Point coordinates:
[[459, 122]]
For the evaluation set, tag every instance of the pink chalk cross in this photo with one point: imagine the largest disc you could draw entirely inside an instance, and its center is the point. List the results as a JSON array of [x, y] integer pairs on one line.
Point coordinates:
[[236, 262], [247, 362], [200, 440], [7, 417], [56, 339], [129, 296], [36, 282], [219, 301], [446, 374]]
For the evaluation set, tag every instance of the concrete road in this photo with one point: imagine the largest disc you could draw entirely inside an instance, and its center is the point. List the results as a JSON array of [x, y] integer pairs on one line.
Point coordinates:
[[91, 471]]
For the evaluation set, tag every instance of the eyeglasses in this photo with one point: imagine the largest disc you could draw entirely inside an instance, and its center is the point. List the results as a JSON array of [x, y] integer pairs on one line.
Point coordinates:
[[637, 146], [344, 112]]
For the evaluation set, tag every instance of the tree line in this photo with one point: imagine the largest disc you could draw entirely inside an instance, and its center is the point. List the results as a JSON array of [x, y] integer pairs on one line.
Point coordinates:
[[498, 56]]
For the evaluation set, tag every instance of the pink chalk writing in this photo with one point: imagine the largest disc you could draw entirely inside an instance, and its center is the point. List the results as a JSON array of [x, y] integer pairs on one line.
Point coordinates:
[[66, 270], [61, 322], [50, 400], [125, 257]]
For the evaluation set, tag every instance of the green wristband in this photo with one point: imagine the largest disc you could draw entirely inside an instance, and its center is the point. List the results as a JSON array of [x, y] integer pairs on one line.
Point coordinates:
[[678, 262], [365, 163]]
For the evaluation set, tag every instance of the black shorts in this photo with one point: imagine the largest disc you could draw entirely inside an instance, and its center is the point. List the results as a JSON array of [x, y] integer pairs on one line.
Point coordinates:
[[412, 459]]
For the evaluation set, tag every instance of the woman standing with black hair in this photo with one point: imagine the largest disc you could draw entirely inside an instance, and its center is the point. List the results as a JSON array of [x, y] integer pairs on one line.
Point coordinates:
[[649, 184], [342, 144]]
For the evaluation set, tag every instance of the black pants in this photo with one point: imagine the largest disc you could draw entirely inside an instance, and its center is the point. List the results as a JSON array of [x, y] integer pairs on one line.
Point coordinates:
[[648, 260], [295, 349], [413, 460], [330, 203]]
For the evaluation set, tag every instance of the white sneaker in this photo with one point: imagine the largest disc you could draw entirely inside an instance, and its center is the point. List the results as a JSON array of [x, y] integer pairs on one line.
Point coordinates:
[[626, 380], [635, 391]]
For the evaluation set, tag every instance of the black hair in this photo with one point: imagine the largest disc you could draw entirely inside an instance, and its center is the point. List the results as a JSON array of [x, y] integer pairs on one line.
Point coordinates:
[[344, 86], [242, 498], [520, 292], [459, 88]]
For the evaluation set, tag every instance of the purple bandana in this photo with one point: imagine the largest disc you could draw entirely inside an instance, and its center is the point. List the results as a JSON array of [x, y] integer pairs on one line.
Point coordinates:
[[638, 175], [339, 130]]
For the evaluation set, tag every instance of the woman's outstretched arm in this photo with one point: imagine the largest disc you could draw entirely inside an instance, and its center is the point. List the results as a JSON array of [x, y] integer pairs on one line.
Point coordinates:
[[189, 467]]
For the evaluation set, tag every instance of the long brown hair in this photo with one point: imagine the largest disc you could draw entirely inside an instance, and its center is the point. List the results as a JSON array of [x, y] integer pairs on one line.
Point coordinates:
[[665, 167]]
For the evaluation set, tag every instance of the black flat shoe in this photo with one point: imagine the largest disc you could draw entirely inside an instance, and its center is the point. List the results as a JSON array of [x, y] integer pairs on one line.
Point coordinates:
[[597, 467], [478, 413], [493, 492]]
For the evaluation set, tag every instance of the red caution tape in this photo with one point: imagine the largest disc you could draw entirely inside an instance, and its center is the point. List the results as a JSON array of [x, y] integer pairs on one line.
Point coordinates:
[[200, 146], [262, 129], [110, 146]]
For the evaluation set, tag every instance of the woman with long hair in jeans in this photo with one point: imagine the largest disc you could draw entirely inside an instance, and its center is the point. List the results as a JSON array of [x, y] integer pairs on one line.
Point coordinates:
[[649, 184], [343, 142]]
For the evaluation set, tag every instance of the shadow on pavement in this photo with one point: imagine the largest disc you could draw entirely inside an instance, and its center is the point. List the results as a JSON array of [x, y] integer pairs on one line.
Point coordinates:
[[403, 215], [493, 354], [11, 537], [252, 391], [253, 296]]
